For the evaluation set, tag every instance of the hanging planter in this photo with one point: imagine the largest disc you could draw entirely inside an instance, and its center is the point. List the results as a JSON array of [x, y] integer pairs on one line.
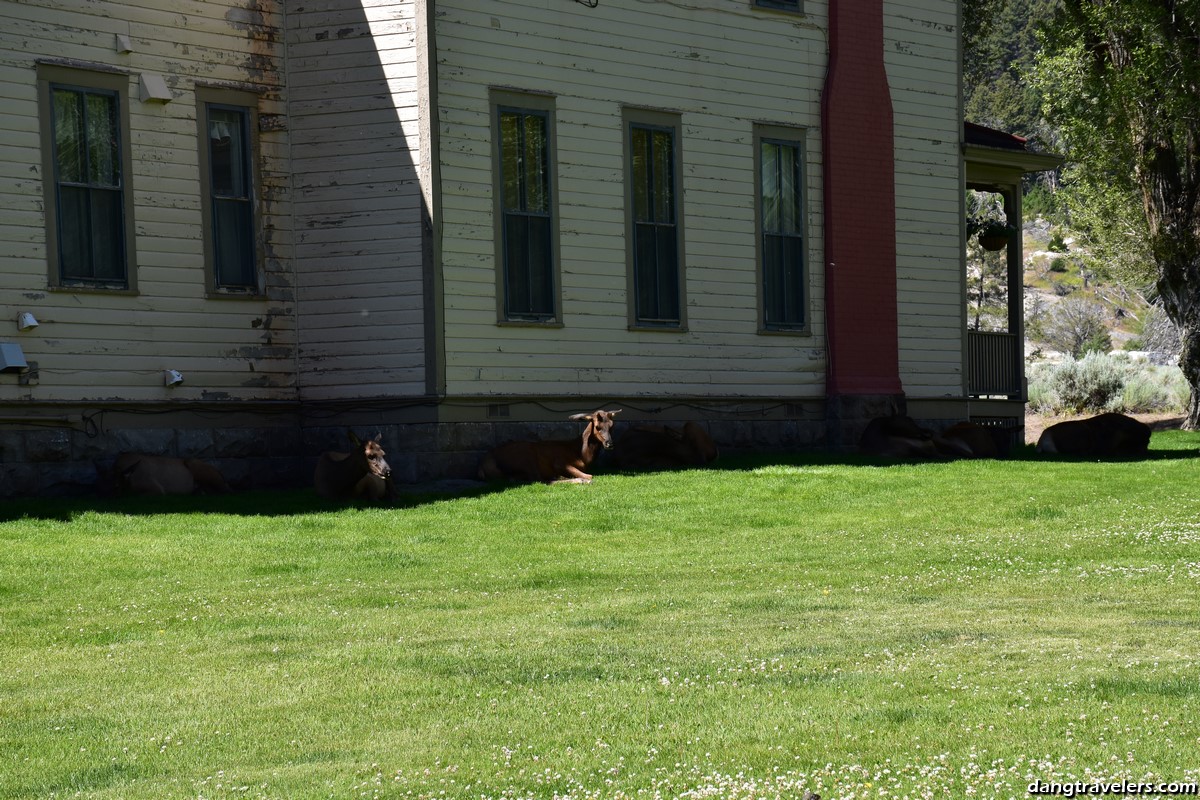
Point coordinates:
[[993, 242], [994, 235]]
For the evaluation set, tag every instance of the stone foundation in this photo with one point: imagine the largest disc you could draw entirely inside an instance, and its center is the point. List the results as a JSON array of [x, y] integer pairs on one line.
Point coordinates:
[[72, 454]]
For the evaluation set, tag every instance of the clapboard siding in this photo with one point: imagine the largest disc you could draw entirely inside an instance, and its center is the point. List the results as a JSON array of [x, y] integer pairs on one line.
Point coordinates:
[[97, 346], [706, 67], [344, 204], [923, 72], [354, 116]]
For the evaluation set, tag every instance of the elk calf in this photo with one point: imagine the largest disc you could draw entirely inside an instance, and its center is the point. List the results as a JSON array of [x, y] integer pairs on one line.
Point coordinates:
[[656, 447], [145, 474], [362, 474], [1103, 436], [552, 461]]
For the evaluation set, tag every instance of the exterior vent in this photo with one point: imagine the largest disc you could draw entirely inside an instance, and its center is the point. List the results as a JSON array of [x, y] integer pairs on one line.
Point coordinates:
[[12, 358], [497, 410]]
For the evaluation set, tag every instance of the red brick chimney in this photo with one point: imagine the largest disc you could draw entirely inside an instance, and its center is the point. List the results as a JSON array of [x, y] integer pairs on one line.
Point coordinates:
[[860, 209]]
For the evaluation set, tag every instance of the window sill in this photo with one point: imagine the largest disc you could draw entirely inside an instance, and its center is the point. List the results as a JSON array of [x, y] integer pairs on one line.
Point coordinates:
[[802, 332], [87, 288], [528, 323], [681, 328], [235, 295]]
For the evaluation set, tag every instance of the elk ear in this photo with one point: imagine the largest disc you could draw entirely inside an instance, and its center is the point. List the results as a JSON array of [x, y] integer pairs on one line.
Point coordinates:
[[352, 437], [378, 437], [580, 416]]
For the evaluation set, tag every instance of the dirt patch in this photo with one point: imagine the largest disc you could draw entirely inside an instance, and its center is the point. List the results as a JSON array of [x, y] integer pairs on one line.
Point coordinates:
[[1036, 423]]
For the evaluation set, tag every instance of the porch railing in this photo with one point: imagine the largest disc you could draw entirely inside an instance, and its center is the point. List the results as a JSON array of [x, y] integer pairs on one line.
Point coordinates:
[[994, 364]]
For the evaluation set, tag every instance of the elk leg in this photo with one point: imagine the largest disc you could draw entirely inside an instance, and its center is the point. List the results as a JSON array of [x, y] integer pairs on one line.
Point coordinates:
[[577, 476]]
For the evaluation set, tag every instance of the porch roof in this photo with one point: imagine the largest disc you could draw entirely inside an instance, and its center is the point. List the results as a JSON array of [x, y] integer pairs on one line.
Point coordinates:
[[991, 154]]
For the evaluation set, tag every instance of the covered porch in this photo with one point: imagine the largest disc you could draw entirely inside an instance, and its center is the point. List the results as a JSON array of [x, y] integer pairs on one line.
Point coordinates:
[[996, 162]]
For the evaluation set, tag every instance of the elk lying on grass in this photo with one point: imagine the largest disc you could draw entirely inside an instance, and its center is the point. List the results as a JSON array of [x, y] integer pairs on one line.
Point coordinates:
[[1103, 436], [897, 436], [901, 437], [361, 474], [659, 447], [978, 441], [139, 473], [552, 461]]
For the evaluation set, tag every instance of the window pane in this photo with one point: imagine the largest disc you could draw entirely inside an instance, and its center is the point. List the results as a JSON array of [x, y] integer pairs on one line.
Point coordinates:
[[645, 272], [90, 201], [770, 187], [664, 177], [108, 256], [640, 152], [510, 161], [656, 273], [668, 275], [528, 277], [537, 178], [789, 190], [516, 260], [228, 153], [73, 222], [527, 222], [68, 135], [233, 250], [103, 155], [231, 191], [782, 224], [541, 277], [656, 246]]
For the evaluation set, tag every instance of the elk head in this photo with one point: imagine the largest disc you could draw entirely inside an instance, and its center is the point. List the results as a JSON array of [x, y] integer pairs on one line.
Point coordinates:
[[600, 425], [374, 454]]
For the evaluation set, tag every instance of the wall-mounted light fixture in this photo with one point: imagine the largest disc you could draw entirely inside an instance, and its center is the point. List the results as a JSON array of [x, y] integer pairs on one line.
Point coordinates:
[[12, 359], [26, 321], [172, 377]]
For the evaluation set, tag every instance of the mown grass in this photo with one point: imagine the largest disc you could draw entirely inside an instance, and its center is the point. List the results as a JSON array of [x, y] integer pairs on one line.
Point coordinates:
[[861, 630]]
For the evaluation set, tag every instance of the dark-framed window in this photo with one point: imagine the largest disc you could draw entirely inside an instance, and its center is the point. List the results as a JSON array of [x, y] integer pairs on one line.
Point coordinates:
[[228, 178], [655, 232], [86, 158], [523, 127], [781, 228]]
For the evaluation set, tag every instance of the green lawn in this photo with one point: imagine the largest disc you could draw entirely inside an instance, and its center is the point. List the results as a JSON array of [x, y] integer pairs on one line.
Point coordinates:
[[860, 630]]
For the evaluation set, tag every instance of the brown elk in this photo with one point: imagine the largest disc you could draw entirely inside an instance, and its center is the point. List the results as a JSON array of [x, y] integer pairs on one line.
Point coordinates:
[[1103, 436], [361, 474], [551, 461], [146, 474], [901, 437], [660, 447], [898, 436], [972, 440]]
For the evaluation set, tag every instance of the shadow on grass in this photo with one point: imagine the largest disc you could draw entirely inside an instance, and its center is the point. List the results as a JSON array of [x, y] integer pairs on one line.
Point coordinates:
[[1175, 446], [259, 503]]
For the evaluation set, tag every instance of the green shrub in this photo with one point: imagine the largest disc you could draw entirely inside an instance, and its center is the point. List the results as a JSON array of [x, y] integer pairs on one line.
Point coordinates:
[[1059, 264], [1042, 397], [1092, 383], [1102, 382], [1143, 391]]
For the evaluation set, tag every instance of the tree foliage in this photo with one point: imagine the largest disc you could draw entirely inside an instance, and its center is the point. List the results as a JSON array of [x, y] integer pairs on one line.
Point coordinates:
[[1121, 80], [1000, 46]]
